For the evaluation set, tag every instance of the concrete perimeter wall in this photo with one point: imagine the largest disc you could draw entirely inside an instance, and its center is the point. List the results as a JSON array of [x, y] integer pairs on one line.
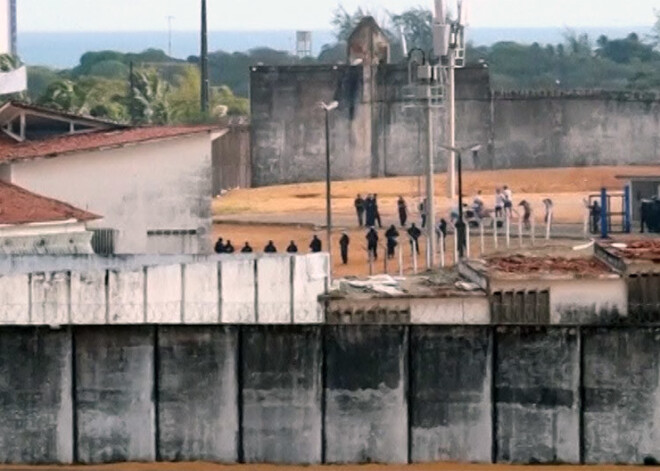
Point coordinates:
[[329, 394], [378, 131], [93, 290]]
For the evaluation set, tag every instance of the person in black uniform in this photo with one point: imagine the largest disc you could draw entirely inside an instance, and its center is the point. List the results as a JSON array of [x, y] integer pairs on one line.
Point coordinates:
[[228, 247], [359, 209], [292, 248], [414, 234], [372, 243], [219, 246], [270, 248], [343, 247], [392, 236], [370, 210], [315, 246], [403, 211], [442, 229], [377, 212], [422, 211], [595, 211], [246, 248]]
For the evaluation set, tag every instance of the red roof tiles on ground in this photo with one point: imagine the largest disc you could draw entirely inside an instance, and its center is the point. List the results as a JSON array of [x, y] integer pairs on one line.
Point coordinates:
[[11, 150], [526, 265], [19, 206]]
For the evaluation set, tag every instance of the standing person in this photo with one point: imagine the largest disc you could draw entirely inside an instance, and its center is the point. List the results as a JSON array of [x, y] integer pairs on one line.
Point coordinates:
[[508, 200], [315, 245], [547, 202], [370, 210], [422, 211], [377, 211], [527, 213], [595, 212], [414, 234], [359, 209], [499, 203], [442, 230], [270, 247], [219, 246], [392, 236], [246, 248], [228, 247], [372, 243], [344, 240], [403, 211], [292, 248]]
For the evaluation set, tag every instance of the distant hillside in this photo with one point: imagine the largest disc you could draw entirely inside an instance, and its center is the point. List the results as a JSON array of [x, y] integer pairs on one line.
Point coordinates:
[[63, 50]]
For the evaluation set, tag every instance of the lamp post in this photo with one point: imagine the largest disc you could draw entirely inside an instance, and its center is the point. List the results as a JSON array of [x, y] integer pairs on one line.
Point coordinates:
[[460, 224], [328, 204]]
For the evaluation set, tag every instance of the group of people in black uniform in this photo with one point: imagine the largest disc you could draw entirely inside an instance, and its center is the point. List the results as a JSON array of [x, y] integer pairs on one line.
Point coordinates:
[[227, 248], [369, 206]]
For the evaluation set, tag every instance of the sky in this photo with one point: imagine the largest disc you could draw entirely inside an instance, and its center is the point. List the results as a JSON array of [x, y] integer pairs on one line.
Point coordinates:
[[231, 15]]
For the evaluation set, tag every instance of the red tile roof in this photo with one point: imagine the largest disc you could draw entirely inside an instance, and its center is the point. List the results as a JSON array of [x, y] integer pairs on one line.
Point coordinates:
[[19, 206], [11, 150]]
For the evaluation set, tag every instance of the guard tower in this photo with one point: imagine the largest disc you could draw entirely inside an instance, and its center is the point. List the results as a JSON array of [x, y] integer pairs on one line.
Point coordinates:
[[303, 44]]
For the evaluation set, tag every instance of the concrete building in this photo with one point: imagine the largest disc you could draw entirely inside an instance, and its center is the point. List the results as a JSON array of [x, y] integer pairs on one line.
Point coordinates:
[[152, 185], [32, 224]]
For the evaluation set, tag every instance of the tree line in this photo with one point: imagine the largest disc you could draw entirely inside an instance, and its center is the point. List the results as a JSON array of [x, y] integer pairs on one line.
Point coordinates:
[[151, 87]]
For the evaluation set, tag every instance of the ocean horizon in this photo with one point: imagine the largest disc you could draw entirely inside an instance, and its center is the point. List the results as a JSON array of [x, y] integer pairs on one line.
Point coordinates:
[[63, 49]]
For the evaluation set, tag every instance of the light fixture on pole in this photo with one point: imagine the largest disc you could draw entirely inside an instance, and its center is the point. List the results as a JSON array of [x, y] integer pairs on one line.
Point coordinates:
[[327, 108], [460, 224], [449, 44]]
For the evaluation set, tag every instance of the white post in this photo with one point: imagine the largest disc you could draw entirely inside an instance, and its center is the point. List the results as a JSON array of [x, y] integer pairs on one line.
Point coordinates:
[[507, 228], [429, 265], [451, 102], [548, 225], [533, 228], [414, 256], [520, 230], [400, 250], [481, 238], [442, 249], [467, 239], [455, 247], [495, 230]]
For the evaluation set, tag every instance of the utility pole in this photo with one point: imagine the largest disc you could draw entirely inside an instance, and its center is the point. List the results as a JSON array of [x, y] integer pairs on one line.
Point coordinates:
[[429, 207], [204, 62], [169, 35], [451, 110], [131, 92]]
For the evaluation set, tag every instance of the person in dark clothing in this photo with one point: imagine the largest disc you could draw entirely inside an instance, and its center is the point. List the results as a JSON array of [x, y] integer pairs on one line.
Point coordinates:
[[392, 236], [377, 212], [315, 246], [414, 234], [359, 209], [229, 248], [343, 247], [370, 210], [527, 213], [270, 248], [403, 211], [292, 248], [246, 248], [422, 211], [441, 230], [219, 246], [372, 243], [595, 212]]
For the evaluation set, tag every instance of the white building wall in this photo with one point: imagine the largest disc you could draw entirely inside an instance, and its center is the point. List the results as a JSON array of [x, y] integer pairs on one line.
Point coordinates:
[[155, 186], [5, 27]]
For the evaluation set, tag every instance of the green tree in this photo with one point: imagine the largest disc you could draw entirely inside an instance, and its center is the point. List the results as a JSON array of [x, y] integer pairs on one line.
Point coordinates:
[[416, 24]]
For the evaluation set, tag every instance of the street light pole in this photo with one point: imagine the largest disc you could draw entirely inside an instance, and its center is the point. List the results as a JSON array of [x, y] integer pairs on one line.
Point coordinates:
[[328, 200], [460, 225], [429, 207]]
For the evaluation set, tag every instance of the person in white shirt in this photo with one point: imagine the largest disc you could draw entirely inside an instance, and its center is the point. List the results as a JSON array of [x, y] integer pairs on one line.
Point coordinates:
[[499, 202], [508, 200]]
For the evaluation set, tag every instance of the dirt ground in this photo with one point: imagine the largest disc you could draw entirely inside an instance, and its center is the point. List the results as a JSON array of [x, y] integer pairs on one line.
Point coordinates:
[[566, 187], [251, 467], [278, 213]]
